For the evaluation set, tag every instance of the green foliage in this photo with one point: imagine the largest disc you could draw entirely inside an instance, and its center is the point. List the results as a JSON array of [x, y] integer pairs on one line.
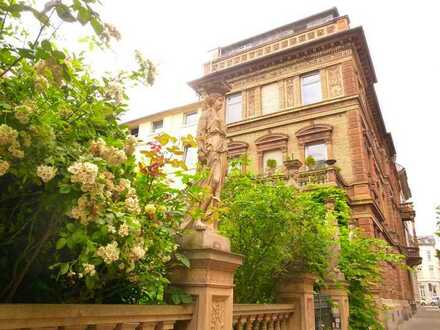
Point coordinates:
[[276, 228], [280, 231], [79, 222], [271, 164], [310, 161], [361, 260]]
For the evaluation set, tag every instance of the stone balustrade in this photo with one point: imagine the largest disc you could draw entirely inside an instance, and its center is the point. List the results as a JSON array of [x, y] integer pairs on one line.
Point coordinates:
[[66, 317], [274, 317], [324, 175]]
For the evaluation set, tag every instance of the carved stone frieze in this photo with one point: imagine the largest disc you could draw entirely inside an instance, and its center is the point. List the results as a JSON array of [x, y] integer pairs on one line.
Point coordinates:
[[334, 80], [217, 314], [290, 92], [291, 68]]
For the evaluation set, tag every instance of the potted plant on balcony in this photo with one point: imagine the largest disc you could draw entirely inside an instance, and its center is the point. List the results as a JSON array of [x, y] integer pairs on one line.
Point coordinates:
[[310, 162], [292, 164], [271, 165]]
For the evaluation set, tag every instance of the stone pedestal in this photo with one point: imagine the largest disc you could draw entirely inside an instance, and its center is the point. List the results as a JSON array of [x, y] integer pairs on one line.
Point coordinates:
[[340, 307], [298, 290], [210, 278]]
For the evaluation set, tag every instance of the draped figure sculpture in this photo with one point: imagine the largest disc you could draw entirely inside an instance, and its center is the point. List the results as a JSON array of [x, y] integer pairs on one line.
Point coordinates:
[[212, 151]]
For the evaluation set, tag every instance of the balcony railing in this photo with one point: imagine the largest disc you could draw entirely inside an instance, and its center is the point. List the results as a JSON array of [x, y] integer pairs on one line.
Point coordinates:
[[324, 175], [252, 316], [412, 254]]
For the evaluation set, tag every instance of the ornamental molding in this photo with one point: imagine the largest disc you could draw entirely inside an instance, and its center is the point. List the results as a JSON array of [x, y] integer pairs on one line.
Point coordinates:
[[272, 141], [237, 148], [292, 68], [314, 133]]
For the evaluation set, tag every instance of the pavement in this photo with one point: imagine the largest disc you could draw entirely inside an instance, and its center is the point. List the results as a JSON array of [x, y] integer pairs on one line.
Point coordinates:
[[426, 318]]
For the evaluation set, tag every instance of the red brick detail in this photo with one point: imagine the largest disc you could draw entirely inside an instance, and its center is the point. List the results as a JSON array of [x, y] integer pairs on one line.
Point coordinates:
[[349, 78]]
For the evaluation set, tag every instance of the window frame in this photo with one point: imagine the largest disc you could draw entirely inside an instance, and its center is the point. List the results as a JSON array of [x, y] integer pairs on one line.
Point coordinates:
[[185, 118], [228, 105], [303, 85], [318, 161], [278, 108], [156, 130]]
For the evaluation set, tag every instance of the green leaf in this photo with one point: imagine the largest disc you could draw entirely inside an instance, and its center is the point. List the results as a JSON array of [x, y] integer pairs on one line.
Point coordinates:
[[70, 227], [64, 268], [61, 243], [64, 13], [59, 55], [41, 17], [83, 15], [184, 260], [65, 188], [97, 25]]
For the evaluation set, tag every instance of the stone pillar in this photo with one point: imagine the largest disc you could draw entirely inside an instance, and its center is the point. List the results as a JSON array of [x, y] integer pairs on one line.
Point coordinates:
[[336, 286], [210, 278], [298, 290], [340, 307]]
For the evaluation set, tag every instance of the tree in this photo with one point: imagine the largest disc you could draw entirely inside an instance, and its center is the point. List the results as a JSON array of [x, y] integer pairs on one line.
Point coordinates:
[[79, 222]]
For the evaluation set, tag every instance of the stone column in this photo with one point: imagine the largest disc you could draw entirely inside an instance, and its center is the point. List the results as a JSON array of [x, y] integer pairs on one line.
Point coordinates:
[[336, 286], [298, 290], [210, 278], [337, 292]]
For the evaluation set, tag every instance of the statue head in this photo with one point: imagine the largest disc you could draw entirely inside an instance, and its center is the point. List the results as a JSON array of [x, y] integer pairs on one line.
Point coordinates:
[[213, 101]]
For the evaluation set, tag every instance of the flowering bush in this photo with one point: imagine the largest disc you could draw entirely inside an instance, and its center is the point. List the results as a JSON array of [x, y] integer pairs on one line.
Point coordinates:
[[79, 222]]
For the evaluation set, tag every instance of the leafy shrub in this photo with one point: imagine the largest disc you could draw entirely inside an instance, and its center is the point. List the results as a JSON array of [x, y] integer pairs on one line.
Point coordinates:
[[79, 222]]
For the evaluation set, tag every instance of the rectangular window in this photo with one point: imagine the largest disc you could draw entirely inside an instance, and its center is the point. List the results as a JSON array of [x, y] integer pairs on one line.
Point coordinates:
[[157, 126], [233, 108], [422, 291], [135, 131], [272, 160], [311, 88], [190, 118], [270, 98], [428, 255], [318, 151], [190, 157]]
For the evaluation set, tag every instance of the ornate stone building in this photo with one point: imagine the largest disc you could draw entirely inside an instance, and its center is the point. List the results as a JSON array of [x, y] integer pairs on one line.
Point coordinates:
[[307, 89]]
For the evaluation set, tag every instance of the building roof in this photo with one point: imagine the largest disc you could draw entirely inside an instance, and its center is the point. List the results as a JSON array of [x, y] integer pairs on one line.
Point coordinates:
[[279, 32], [426, 240], [161, 114]]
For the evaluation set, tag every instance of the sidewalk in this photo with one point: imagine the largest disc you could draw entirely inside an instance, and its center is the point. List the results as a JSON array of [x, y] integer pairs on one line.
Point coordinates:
[[427, 318]]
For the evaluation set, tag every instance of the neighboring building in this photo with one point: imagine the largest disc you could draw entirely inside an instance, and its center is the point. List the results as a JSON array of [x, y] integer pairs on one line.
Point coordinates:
[[178, 122], [307, 89], [428, 273]]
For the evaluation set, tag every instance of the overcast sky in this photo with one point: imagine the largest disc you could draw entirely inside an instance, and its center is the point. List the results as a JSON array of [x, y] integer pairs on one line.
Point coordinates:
[[403, 37]]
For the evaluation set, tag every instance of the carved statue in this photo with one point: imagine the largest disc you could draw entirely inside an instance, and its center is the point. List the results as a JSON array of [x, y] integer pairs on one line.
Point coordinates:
[[212, 150]]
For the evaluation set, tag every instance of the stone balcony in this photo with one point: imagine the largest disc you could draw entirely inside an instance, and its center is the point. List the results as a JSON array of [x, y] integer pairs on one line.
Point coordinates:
[[407, 212], [412, 254], [325, 175]]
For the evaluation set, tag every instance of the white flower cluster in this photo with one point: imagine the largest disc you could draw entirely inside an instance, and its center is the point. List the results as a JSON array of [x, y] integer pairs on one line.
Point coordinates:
[[111, 155], [150, 209], [8, 135], [46, 173], [22, 113], [132, 204], [4, 167], [81, 212], [89, 269], [123, 230], [15, 150], [83, 172], [130, 145], [109, 253], [137, 252]]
